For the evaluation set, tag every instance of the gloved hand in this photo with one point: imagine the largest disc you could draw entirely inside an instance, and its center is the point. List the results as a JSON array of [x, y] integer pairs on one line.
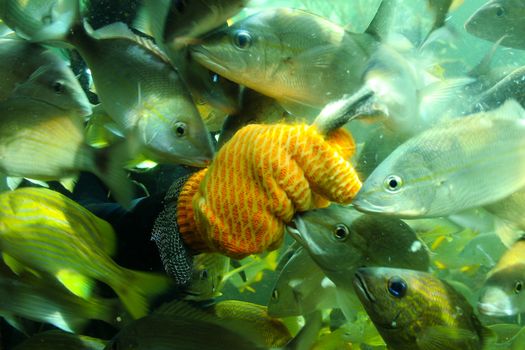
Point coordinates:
[[258, 180]]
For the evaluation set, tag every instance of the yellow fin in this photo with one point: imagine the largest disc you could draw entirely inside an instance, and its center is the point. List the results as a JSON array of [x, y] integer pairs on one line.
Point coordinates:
[[16, 266], [447, 338], [76, 283]]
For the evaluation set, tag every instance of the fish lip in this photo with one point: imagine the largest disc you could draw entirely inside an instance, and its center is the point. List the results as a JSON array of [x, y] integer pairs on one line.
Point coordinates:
[[296, 232], [360, 284], [203, 56], [365, 206]]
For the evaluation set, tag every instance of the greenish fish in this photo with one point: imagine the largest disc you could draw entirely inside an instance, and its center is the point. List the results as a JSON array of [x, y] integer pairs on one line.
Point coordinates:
[[42, 230], [270, 332], [302, 60], [44, 300], [29, 69], [177, 325], [340, 239], [60, 340], [209, 270], [214, 96], [144, 95], [39, 20], [497, 19], [503, 293], [182, 22], [457, 165], [415, 310], [43, 142], [301, 288]]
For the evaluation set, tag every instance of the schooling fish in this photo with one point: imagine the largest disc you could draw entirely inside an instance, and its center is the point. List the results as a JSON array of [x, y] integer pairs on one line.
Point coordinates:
[[415, 310], [503, 293], [340, 239], [43, 142], [302, 60], [497, 19], [60, 340], [179, 23], [301, 288], [39, 20], [44, 300], [42, 230], [180, 326], [144, 95], [459, 164], [270, 332], [35, 71]]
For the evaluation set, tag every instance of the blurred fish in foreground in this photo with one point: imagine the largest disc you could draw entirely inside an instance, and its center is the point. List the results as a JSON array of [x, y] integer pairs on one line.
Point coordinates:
[[177, 325], [414, 309], [42, 230], [44, 300], [503, 293], [497, 19], [59, 340], [459, 164], [39, 20], [265, 330], [43, 142]]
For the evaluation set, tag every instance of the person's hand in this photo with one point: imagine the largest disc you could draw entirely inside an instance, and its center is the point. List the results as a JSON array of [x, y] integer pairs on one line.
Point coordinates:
[[258, 180]]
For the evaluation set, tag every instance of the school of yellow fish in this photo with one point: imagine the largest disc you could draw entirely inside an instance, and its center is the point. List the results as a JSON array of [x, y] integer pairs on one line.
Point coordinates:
[[430, 253]]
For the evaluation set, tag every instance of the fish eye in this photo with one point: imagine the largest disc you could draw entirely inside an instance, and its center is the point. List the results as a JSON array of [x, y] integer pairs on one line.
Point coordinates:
[[393, 183], [242, 39], [275, 295], [518, 286], [341, 232], [397, 287], [500, 11], [58, 87], [180, 129]]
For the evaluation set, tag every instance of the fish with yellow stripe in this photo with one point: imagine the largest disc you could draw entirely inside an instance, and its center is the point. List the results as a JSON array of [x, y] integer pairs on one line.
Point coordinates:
[[44, 231]]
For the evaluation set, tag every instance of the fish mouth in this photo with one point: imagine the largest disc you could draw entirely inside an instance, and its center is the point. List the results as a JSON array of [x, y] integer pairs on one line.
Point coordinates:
[[295, 229], [365, 206], [207, 59], [361, 286]]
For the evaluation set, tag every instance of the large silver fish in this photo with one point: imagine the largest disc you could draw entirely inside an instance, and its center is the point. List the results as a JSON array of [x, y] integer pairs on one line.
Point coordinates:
[[460, 164]]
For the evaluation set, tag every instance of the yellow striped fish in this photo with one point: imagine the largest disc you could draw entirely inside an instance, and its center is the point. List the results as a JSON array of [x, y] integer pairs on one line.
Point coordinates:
[[43, 230]]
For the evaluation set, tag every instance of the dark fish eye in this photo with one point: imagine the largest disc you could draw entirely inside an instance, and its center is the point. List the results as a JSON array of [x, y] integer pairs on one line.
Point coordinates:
[[242, 39], [58, 87], [397, 287], [180, 129], [393, 183], [180, 5], [275, 295], [204, 274], [341, 232], [500, 11], [518, 286]]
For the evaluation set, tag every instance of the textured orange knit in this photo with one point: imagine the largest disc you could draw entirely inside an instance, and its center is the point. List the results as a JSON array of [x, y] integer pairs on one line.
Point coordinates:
[[256, 183]]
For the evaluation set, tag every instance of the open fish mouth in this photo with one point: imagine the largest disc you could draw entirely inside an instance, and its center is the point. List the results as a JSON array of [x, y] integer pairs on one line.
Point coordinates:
[[360, 284], [364, 205], [294, 228]]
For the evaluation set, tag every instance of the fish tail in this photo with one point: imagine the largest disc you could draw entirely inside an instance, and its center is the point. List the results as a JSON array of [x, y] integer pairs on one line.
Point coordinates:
[[109, 167], [140, 289]]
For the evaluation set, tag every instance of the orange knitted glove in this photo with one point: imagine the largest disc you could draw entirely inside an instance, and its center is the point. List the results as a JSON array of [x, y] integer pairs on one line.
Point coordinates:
[[258, 180]]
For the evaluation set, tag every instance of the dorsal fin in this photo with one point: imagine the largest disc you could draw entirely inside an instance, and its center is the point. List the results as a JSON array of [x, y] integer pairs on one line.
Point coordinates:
[[122, 31]]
